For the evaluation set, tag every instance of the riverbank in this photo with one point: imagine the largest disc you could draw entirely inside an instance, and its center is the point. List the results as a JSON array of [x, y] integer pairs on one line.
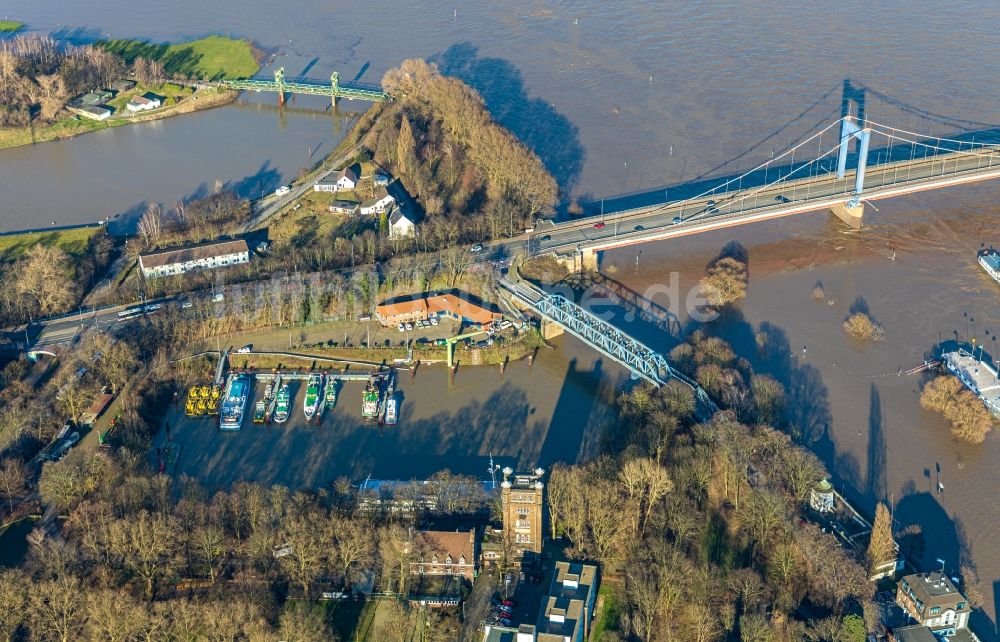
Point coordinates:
[[69, 127], [10, 26], [71, 239]]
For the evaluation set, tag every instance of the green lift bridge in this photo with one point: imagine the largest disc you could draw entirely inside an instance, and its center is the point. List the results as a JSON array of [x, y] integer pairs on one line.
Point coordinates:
[[335, 90]]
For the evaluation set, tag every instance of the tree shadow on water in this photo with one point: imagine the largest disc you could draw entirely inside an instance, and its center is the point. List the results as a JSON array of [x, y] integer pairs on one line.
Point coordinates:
[[535, 122]]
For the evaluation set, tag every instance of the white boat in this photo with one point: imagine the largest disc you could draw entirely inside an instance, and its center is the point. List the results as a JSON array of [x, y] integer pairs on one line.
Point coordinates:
[[990, 262], [234, 403], [390, 412], [312, 398]]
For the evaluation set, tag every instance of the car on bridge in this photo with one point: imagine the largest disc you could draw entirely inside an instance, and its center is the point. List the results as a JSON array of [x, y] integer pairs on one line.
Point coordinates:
[[676, 220], [639, 228], [781, 198], [599, 225]]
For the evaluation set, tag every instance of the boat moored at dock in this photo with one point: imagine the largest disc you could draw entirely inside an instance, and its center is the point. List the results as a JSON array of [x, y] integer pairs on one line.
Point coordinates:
[[977, 375], [282, 404], [234, 402], [312, 398]]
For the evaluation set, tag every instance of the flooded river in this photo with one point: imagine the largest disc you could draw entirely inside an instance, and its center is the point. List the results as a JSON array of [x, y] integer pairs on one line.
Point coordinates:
[[627, 97]]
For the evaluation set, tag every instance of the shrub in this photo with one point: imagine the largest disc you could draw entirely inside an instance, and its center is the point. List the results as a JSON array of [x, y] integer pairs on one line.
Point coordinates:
[[861, 326]]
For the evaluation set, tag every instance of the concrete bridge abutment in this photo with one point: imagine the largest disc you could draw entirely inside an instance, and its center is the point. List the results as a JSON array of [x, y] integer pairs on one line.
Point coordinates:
[[852, 215]]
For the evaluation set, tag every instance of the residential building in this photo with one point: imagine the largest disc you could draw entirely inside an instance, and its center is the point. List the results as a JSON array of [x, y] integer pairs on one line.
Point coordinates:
[[346, 178], [325, 186], [96, 410], [566, 612], [210, 255], [522, 507], [338, 206], [93, 112], [932, 600], [401, 225], [93, 98], [380, 201], [122, 85], [920, 633], [144, 102], [446, 305], [444, 553]]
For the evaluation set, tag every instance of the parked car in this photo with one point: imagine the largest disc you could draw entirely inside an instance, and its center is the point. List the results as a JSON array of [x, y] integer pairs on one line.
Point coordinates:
[[408, 326], [547, 237], [281, 191], [434, 321], [245, 349], [478, 247], [400, 327]]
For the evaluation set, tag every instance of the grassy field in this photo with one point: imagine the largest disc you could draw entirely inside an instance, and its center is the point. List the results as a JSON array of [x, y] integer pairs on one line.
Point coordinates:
[[10, 26], [608, 618], [211, 58], [73, 242]]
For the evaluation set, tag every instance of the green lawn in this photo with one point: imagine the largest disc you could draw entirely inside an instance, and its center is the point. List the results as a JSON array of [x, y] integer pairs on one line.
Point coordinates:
[[10, 26], [210, 58], [608, 619], [72, 241]]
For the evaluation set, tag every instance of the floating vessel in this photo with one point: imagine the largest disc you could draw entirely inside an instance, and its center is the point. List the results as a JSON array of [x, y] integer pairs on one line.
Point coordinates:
[[311, 401], [369, 400], [234, 402], [283, 401], [330, 393], [390, 412], [212, 407], [990, 262], [269, 390], [259, 410], [977, 374]]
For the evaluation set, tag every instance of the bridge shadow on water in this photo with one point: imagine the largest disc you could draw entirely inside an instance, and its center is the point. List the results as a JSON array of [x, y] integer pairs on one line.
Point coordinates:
[[535, 122]]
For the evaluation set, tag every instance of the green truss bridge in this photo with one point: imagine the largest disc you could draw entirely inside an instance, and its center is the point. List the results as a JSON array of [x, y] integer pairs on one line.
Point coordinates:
[[283, 86]]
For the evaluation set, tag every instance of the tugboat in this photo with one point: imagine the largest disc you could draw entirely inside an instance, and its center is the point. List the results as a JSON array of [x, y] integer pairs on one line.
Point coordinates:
[[330, 394], [369, 400], [990, 262], [260, 408], [311, 401], [281, 410]]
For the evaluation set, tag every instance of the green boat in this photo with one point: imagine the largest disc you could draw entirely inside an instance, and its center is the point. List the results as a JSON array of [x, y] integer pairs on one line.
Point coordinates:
[[369, 401], [311, 402], [330, 394]]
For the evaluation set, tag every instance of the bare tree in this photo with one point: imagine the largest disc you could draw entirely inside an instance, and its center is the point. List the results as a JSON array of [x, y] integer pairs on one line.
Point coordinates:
[[56, 607], [13, 475], [13, 599], [151, 224], [145, 543]]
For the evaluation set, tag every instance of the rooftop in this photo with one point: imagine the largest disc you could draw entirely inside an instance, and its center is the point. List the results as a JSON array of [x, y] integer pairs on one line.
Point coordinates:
[[559, 619], [573, 580], [380, 193], [186, 253], [915, 633], [976, 374], [457, 544], [462, 307], [933, 589]]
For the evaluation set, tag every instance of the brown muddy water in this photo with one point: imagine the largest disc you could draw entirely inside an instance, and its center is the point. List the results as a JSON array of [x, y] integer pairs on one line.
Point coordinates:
[[550, 411], [859, 415]]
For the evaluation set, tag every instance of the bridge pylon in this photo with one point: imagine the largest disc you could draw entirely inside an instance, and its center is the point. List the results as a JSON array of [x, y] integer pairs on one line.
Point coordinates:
[[853, 211], [334, 83], [279, 80]]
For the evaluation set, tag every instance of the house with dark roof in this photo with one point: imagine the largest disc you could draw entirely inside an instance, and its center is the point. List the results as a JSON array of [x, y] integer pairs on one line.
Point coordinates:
[[201, 256], [346, 178], [933, 600], [401, 225], [343, 206]]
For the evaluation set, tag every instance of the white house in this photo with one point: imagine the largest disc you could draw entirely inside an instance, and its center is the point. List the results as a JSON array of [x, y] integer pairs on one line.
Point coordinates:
[[143, 103], [346, 178], [379, 203], [178, 260], [324, 186], [400, 225]]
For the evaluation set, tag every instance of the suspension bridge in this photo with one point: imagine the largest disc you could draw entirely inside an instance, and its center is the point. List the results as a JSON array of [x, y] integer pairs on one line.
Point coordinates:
[[848, 163], [283, 86]]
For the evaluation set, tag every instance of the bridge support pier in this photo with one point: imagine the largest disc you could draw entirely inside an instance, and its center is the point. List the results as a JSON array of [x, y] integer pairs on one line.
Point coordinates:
[[851, 213]]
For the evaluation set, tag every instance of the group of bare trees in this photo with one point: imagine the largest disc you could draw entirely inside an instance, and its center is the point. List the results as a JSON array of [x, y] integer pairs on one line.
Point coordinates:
[[705, 518], [969, 418], [443, 142]]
